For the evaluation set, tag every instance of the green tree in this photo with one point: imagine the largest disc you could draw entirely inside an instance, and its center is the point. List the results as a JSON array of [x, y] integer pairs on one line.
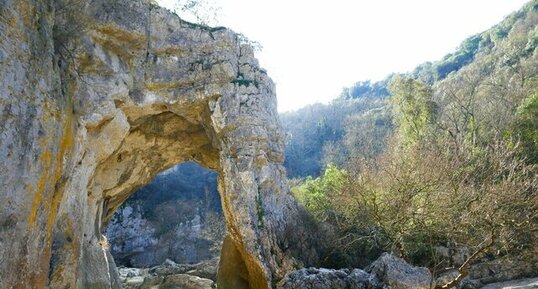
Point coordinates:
[[525, 129], [314, 194], [413, 108]]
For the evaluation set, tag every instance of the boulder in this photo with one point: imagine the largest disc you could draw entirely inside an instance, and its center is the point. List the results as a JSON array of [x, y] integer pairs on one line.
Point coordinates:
[[171, 275], [528, 283], [314, 278], [184, 281], [180, 281], [169, 267], [387, 272], [206, 269], [131, 272], [503, 270], [398, 274]]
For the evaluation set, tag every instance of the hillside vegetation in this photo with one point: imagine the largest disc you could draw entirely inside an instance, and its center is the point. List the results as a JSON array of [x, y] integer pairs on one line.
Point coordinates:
[[430, 163]]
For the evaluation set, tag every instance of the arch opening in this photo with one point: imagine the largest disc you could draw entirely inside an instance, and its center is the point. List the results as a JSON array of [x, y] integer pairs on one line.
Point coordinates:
[[178, 216], [173, 225]]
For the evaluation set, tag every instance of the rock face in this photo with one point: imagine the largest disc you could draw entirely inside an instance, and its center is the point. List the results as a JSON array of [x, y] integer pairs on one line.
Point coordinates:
[[177, 216], [96, 98]]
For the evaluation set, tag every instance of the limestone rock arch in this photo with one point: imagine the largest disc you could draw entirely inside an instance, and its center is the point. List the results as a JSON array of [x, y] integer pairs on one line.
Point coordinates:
[[135, 92]]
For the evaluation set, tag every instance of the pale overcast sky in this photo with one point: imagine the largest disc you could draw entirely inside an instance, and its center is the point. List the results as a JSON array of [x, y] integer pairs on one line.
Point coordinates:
[[312, 49]]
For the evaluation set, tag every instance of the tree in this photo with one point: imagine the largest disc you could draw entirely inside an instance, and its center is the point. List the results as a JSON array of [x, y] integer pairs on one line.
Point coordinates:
[[525, 129], [410, 203], [366, 134], [413, 108], [314, 194], [460, 169]]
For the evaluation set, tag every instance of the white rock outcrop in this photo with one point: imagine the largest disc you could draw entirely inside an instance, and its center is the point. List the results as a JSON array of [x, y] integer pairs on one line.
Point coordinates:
[[98, 96]]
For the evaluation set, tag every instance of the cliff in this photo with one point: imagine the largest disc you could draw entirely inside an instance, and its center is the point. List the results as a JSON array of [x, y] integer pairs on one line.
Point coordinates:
[[97, 97]]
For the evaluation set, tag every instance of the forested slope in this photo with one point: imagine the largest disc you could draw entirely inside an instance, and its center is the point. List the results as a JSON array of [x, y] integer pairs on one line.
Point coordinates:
[[442, 161], [478, 87]]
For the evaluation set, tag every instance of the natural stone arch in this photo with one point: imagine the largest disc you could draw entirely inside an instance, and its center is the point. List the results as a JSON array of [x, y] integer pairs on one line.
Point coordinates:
[[128, 150], [140, 91], [203, 99]]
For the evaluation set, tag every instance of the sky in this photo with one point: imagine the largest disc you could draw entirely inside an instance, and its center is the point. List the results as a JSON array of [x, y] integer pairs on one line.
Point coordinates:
[[312, 49]]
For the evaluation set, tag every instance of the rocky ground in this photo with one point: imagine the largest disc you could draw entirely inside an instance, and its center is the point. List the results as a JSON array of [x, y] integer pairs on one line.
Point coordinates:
[[387, 272], [171, 275], [529, 283], [391, 272]]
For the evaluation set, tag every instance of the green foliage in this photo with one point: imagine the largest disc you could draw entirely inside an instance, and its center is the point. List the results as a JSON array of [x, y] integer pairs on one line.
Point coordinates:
[[424, 73], [366, 134], [367, 89], [408, 202], [525, 129], [314, 194], [464, 55], [413, 108]]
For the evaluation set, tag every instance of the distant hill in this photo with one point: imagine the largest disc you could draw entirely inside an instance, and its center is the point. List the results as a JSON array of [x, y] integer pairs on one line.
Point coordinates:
[[314, 131], [492, 69]]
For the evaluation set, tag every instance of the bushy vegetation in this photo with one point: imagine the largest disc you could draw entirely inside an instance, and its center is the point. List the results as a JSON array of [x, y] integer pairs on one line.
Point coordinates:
[[452, 165], [314, 193], [525, 129]]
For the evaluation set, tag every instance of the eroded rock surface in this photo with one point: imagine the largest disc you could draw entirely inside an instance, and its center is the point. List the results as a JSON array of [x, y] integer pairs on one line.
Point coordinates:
[[95, 101]]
